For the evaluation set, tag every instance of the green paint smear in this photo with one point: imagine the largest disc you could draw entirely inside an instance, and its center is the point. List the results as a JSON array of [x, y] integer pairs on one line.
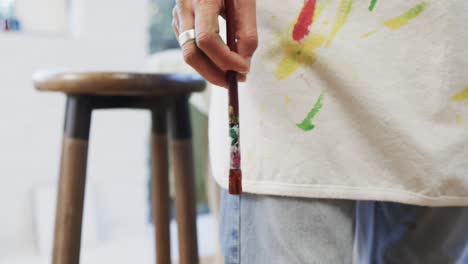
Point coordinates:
[[307, 125], [406, 17], [372, 5]]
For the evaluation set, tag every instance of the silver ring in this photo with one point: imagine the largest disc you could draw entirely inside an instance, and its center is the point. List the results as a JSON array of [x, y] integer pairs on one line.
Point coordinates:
[[186, 36]]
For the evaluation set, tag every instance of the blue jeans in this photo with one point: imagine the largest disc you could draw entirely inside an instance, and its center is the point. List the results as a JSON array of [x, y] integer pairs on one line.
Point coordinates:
[[271, 229], [399, 233], [279, 230]]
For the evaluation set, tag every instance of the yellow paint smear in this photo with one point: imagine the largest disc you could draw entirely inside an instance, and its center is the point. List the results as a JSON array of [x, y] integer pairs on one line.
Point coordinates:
[[368, 34], [286, 99], [297, 54], [262, 108], [249, 155], [300, 53], [318, 10], [461, 96], [406, 17], [341, 17], [459, 120]]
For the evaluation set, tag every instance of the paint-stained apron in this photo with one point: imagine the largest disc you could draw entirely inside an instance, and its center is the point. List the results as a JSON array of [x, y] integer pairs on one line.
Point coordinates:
[[363, 100]]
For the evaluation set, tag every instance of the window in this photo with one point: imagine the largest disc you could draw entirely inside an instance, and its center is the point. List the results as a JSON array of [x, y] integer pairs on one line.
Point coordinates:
[[8, 18], [34, 16], [161, 35]]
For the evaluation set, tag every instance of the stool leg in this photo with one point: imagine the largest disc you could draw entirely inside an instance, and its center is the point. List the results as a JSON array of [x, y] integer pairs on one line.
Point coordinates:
[[161, 202], [179, 121], [70, 195]]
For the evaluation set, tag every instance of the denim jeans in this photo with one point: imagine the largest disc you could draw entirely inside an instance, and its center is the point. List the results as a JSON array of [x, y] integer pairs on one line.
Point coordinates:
[[399, 233], [279, 230], [261, 229]]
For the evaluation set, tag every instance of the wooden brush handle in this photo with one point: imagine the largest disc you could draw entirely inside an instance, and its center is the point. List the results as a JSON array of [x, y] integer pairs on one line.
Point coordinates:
[[230, 24], [235, 174]]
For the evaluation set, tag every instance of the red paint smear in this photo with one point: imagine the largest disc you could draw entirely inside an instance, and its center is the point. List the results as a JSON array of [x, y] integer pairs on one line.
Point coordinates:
[[301, 29]]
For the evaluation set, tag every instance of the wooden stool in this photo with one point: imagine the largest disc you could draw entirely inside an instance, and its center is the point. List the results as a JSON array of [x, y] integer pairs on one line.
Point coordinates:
[[158, 93]]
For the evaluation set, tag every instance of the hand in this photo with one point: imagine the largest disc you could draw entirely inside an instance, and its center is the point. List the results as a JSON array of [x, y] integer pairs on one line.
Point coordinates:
[[209, 55]]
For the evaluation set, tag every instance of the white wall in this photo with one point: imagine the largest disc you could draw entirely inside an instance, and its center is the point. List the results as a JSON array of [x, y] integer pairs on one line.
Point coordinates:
[[107, 35], [43, 16]]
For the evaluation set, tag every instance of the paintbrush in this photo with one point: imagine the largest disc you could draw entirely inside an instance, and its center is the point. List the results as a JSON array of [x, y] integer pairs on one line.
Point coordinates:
[[235, 173]]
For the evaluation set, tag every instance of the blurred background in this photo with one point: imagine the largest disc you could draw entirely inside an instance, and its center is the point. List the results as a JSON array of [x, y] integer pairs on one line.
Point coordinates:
[[86, 35]]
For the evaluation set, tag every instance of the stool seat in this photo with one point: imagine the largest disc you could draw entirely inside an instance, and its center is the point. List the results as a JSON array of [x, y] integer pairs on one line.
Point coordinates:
[[118, 83]]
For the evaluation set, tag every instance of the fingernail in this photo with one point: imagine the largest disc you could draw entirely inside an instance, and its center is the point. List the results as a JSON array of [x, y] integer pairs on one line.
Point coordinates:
[[245, 72]]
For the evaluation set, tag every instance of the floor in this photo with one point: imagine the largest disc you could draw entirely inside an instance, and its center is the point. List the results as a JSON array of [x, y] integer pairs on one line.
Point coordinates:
[[138, 249]]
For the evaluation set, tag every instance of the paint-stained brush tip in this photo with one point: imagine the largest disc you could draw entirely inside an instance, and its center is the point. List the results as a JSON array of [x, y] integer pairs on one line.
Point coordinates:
[[235, 182]]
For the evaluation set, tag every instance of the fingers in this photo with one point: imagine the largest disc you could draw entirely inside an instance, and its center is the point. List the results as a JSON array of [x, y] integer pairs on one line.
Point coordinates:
[[210, 56], [183, 19], [247, 39], [183, 15], [203, 65], [242, 77], [175, 22], [209, 41]]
